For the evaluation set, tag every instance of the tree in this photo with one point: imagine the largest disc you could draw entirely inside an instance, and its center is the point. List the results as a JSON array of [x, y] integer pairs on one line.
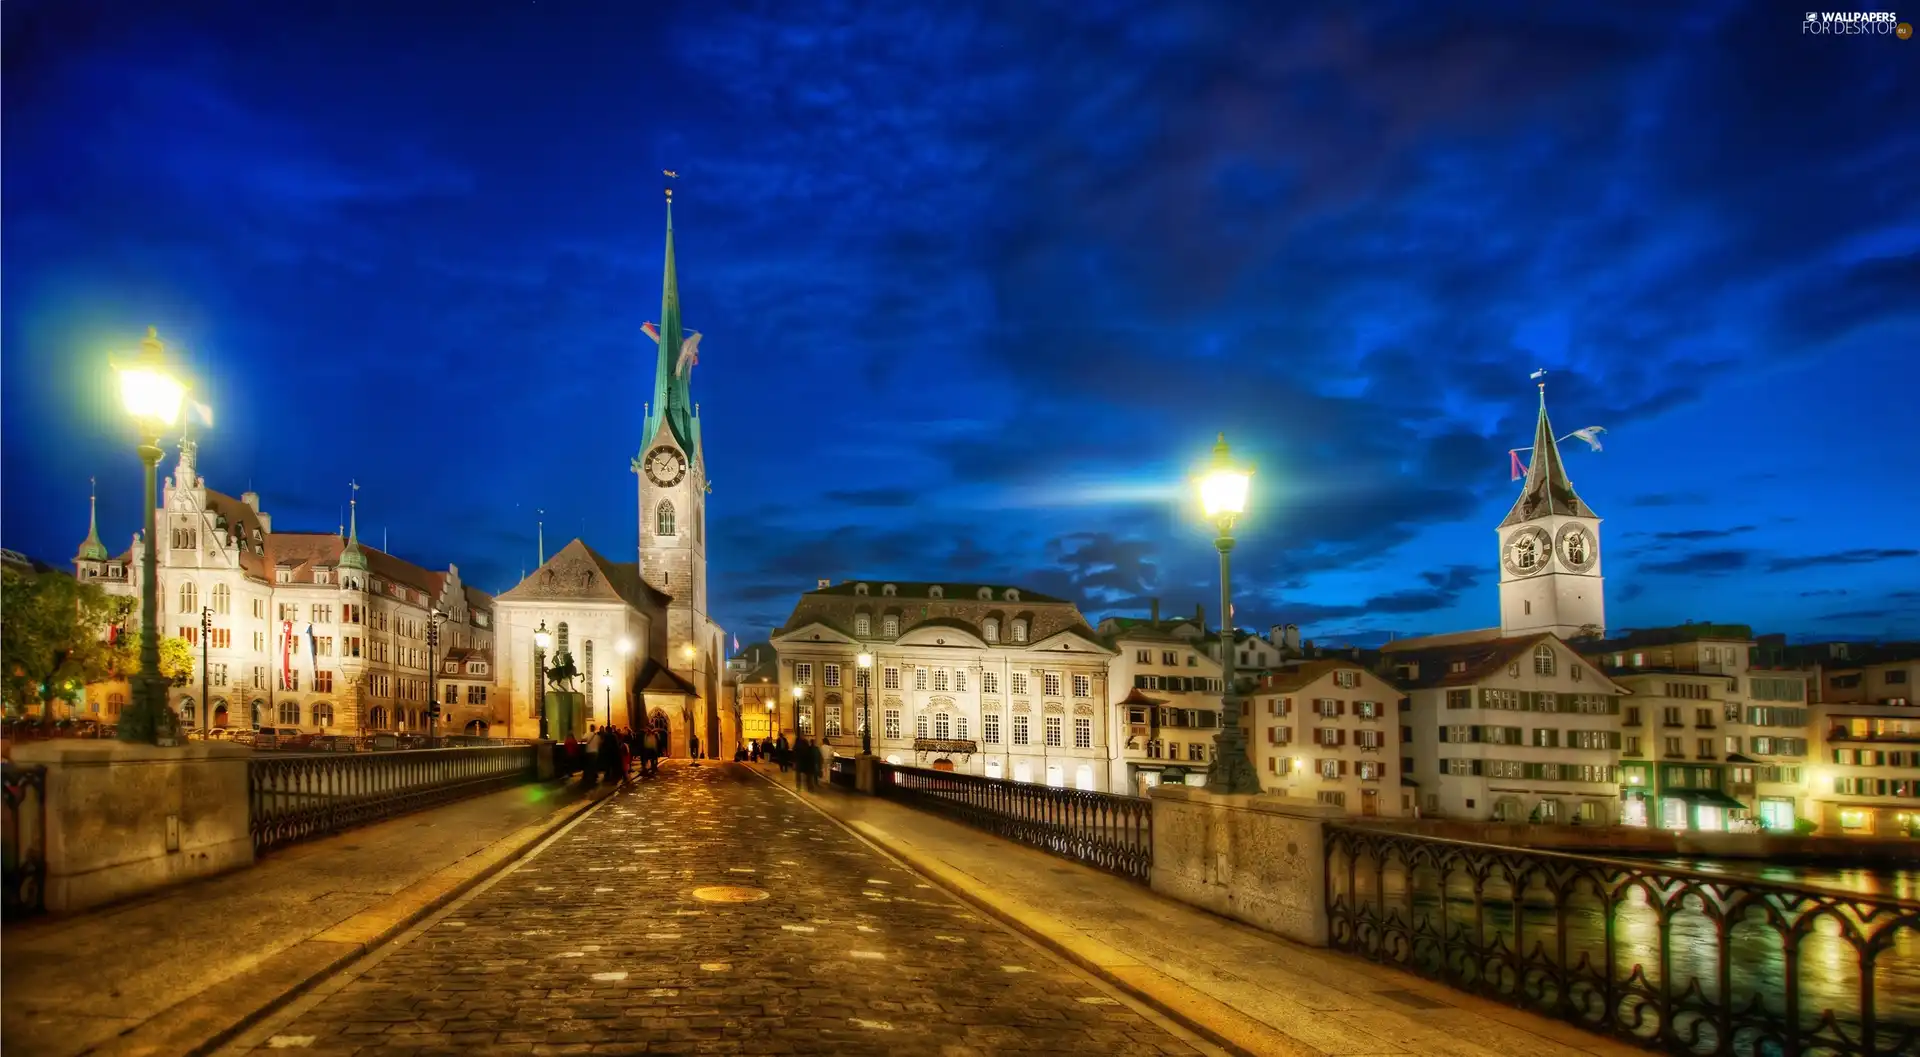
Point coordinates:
[[54, 637], [177, 659]]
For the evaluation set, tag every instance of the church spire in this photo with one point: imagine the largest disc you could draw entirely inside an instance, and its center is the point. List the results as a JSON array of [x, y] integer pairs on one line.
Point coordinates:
[[352, 557], [672, 395], [93, 550], [1547, 489]]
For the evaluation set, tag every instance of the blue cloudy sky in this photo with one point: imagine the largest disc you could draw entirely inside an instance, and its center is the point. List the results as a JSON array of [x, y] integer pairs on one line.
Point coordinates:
[[980, 282]]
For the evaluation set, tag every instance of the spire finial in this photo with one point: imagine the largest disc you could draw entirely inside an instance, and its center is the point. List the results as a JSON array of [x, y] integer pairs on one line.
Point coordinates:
[[671, 175], [351, 556], [1540, 379], [540, 530], [92, 549]]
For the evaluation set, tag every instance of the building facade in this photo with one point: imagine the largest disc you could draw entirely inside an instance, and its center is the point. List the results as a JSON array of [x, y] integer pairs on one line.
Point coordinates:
[[1329, 730], [1166, 709], [1867, 780], [974, 678], [308, 630]]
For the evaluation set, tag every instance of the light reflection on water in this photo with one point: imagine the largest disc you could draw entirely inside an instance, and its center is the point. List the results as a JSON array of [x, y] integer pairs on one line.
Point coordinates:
[[1829, 965]]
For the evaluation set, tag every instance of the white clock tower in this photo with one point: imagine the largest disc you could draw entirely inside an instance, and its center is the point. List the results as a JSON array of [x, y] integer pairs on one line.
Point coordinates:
[[1550, 550]]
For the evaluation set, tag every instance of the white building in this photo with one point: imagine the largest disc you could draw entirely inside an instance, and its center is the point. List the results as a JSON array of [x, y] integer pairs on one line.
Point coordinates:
[[1166, 708], [974, 678], [313, 630], [1329, 730], [1867, 781], [644, 624]]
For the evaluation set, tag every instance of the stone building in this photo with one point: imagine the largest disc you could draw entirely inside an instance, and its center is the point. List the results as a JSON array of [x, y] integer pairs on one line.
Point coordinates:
[[1867, 779], [1329, 730], [312, 630], [753, 674], [1166, 708], [976, 678]]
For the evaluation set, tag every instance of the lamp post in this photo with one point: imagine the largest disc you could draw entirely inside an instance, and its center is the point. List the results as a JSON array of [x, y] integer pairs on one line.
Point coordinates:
[[606, 683], [687, 652], [206, 637], [1223, 498], [865, 660], [152, 397], [541, 640], [434, 617], [625, 649], [797, 692]]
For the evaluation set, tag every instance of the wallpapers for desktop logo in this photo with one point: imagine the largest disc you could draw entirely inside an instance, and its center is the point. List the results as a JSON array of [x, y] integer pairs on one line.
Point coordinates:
[[1856, 23]]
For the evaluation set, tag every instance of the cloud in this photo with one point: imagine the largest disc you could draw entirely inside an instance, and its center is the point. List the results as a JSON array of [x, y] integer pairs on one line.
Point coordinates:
[[876, 497], [1858, 556], [1660, 499], [1700, 563], [1697, 535], [1823, 591]]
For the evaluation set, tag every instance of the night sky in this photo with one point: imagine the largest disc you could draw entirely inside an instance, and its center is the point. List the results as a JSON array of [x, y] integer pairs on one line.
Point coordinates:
[[979, 282]]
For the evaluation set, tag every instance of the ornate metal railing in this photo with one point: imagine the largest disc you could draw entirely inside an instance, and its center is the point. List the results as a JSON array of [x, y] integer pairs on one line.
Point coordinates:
[[23, 844], [841, 773], [293, 797], [1113, 833], [1679, 960]]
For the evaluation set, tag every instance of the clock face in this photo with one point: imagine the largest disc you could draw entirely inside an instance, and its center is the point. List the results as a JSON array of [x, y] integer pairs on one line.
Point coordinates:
[[665, 466], [1578, 548], [1527, 552]]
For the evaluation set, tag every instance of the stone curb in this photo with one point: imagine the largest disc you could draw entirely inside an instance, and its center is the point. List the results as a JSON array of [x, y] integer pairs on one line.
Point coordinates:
[[1206, 1016], [210, 1019]]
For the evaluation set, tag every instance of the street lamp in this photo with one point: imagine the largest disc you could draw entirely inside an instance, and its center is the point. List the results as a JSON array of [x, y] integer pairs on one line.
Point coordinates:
[[152, 396], [1223, 498], [625, 649], [606, 683], [796, 711], [865, 660], [206, 638], [541, 640], [434, 617]]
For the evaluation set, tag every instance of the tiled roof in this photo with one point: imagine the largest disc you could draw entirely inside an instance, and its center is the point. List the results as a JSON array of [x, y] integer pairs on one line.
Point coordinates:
[[578, 572], [242, 522], [1479, 658], [1643, 637], [658, 677], [961, 607], [1136, 696], [954, 592], [1294, 676]]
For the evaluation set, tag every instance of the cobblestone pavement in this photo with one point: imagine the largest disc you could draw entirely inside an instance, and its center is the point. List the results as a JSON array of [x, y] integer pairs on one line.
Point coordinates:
[[602, 943]]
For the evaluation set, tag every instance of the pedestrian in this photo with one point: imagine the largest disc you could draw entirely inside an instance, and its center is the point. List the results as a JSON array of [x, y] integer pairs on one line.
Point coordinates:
[[693, 748], [806, 763], [626, 754], [783, 754], [569, 755], [610, 756], [650, 752], [590, 759], [753, 751]]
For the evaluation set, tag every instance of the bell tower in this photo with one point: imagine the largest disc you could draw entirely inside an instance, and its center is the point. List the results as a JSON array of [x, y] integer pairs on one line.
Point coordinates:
[[1550, 550], [672, 470]]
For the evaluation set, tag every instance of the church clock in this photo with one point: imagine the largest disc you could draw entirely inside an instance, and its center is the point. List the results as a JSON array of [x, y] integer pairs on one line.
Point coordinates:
[[1577, 548], [665, 466], [1528, 551]]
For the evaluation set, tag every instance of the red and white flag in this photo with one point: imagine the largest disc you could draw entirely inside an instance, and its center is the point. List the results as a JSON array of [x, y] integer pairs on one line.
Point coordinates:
[[651, 331], [286, 655], [1519, 468]]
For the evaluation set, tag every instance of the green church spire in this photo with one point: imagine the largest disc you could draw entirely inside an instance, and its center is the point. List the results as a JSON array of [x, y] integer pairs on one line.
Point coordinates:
[[673, 367], [93, 550]]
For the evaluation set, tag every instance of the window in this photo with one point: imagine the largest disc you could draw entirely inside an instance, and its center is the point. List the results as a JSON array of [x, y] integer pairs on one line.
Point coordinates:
[[891, 679], [890, 625], [322, 714], [663, 518], [323, 682], [1020, 630], [919, 678], [221, 638], [189, 598], [942, 726], [259, 609], [990, 683], [1019, 683], [1082, 686], [862, 678], [990, 728], [833, 721], [892, 720], [1051, 682], [1083, 733], [960, 727], [920, 726], [990, 629], [350, 646], [960, 680], [863, 623], [1053, 731], [1196, 752], [1543, 659], [378, 718], [290, 713], [1020, 730], [322, 614], [289, 611], [831, 673], [802, 673], [940, 681], [352, 614], [222, 599], [1346, 680], [476, 695], [1143, 656]]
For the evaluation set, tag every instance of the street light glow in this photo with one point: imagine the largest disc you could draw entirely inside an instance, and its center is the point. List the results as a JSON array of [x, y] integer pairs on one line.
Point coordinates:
[[625, 646], [1223, 489], [796, 693], [541, 638], [606, 680], [865, 660]]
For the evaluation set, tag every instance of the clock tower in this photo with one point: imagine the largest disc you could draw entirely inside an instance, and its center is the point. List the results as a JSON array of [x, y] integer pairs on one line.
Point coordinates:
[[673, 476], [1550, 550]]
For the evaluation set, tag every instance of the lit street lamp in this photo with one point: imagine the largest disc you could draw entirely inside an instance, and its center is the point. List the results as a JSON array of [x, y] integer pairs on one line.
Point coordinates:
[[206, 638], [434, 617], [152, 397], [606, 683], [865, 661], [1223, 498], [625, 649], [797, 692], [541, 640]]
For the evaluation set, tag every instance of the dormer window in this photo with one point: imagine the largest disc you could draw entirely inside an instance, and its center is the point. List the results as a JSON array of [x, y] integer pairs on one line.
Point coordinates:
[[863, 623], [476, 667], [321, 576], [1019, 630], [860, 589], [1013, 594], [1543, 659], [284, 576], [890, 625], [991, 629], [888, 590], [985, 594], [936, 591], [453, 667]]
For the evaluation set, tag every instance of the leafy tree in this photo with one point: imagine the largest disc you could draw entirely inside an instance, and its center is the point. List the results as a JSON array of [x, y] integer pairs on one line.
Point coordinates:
[[177, 658], [53, 639]]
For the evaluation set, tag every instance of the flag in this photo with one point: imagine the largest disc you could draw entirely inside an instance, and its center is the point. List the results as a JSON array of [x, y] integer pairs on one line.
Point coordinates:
[[689, 354], [1539, 374], [203, 413], [736, 644], [651, 331], [313, 653], [1591, 435], [1519, 468], [286, 655]]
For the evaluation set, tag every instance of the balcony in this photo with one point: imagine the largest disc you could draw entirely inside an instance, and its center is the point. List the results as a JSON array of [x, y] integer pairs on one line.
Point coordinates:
[[945, 746]]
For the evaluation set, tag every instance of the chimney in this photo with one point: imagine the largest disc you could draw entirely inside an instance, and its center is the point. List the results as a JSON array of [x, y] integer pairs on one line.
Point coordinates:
[[1200, 615], [1156, 612], [252, 499], [823, 584], [1293, 636]]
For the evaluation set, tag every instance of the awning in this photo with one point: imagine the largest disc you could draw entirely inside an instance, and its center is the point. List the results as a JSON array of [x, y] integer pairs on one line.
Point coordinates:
[[1704, 797], [1734, 757]]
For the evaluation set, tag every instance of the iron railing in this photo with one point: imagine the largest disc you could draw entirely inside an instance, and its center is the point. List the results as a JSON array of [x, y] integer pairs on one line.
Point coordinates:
[[841, 773], [23, 844], [1673, 959], [293, 797], [1113, 833]]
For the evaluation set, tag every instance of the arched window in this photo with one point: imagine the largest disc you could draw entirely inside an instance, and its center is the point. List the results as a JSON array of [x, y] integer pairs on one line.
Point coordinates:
[[220, 715], [863, 623], [663, 518], [1019, 631], [920, 726], [259, 711], [991, 629], [186, 712], [115, 702], [222, 599], [1543, 659], [377, 718], [942, 725], [322, 714], [890, 625], [289, 713], [586, 655], [189, 598]]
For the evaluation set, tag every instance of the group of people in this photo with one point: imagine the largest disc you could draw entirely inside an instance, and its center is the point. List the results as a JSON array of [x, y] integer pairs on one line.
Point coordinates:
[[610, 753], [803, 757]]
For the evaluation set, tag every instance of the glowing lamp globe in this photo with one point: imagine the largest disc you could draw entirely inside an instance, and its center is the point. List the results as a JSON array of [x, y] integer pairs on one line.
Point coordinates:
[[606, 681], [148, 390], [541, 638], [865, 660], [796, 693], [625, 646], [1223, 488]]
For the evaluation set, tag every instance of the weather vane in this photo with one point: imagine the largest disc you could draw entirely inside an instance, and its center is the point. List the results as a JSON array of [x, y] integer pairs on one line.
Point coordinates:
[[671, 175]]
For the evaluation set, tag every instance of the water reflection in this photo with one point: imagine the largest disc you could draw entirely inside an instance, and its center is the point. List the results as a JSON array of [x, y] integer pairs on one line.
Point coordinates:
[[1685, 951]]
